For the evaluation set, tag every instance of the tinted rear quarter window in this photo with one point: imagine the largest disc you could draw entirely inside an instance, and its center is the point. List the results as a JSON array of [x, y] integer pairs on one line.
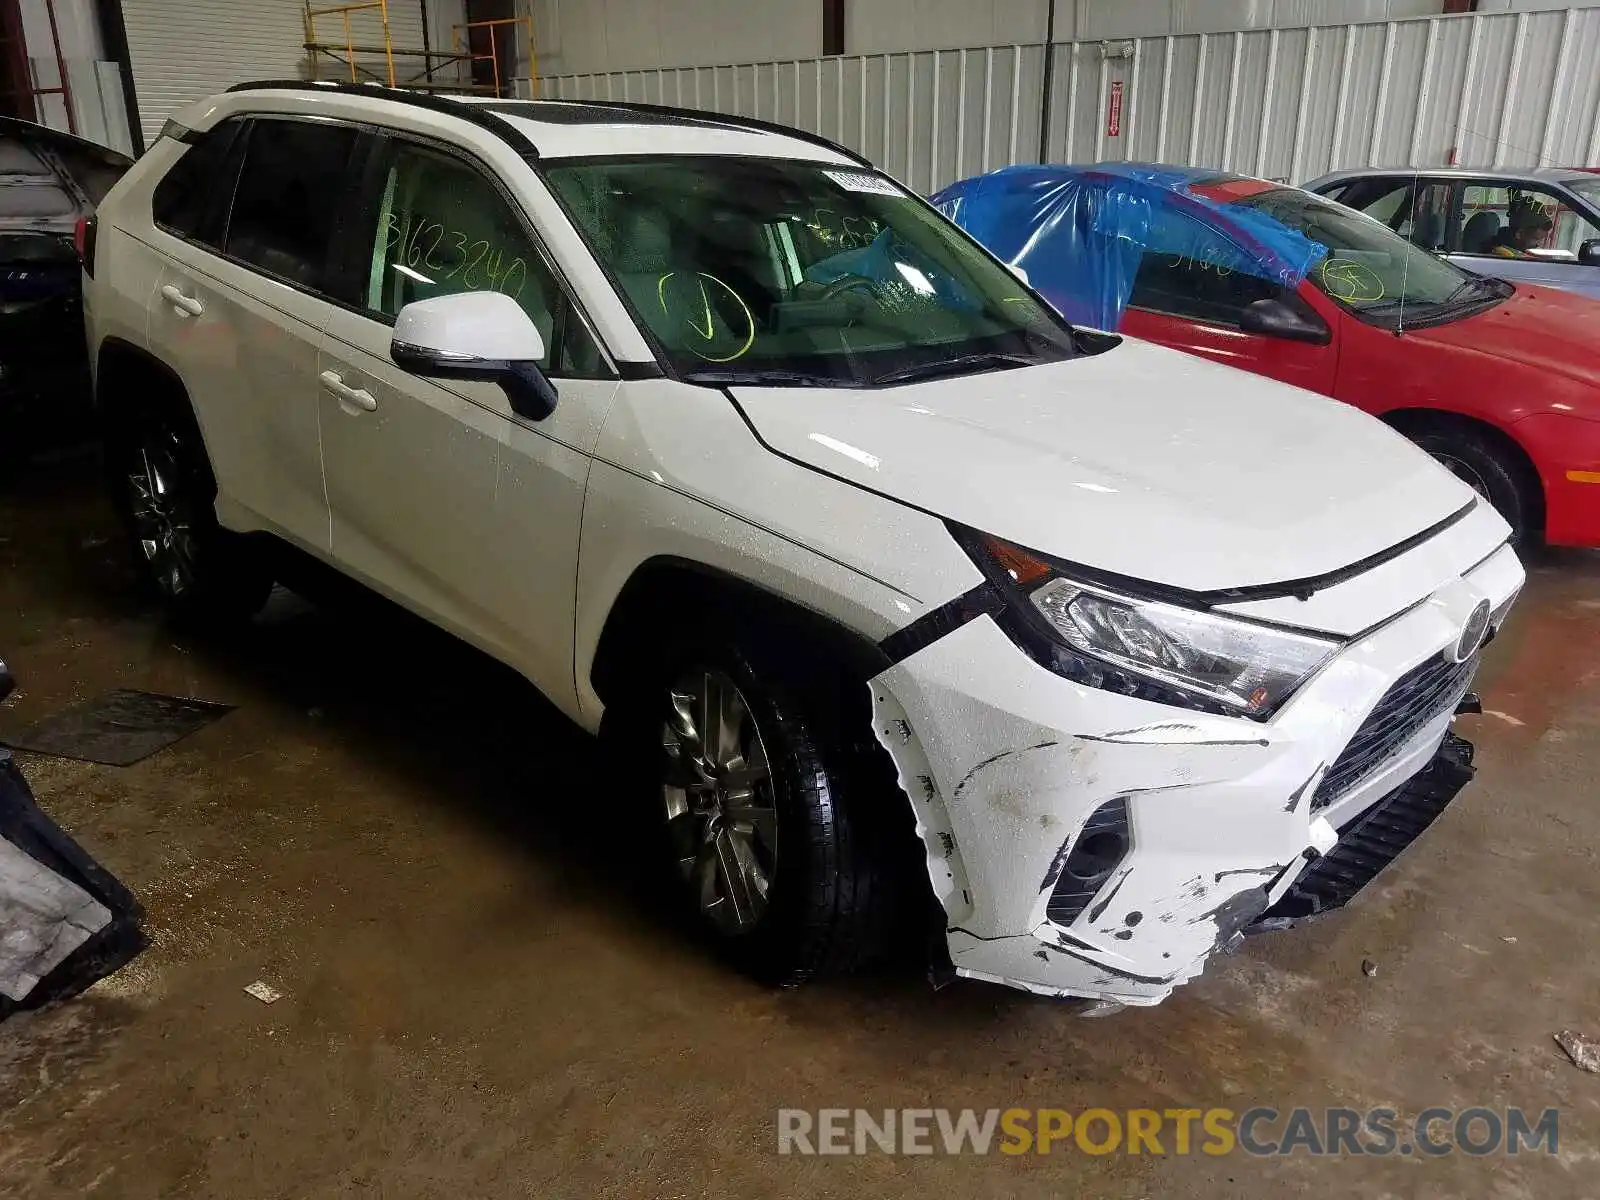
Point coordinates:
[[291, 190], [184, 198]]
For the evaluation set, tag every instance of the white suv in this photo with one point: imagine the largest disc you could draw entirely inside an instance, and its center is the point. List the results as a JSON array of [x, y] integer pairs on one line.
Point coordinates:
[[707, 427]]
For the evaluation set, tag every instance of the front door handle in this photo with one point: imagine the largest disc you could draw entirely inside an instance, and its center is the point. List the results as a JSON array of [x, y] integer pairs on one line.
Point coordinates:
[[189, 306], [349, 397]]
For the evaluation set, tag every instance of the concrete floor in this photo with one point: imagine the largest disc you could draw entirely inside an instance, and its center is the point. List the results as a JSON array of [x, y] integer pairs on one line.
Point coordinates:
[[480, 1002]]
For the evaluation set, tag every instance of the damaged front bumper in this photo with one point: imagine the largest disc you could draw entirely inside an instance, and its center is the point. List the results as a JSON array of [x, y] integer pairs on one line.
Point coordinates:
[[1090, 844]]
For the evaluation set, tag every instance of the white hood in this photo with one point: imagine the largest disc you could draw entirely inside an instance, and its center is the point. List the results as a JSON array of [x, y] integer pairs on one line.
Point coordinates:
[[1140, 461]]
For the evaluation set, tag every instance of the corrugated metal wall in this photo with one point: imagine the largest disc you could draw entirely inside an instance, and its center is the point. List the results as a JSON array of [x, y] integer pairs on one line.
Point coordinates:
[[1487, 89], [98, 110], [184, 50]]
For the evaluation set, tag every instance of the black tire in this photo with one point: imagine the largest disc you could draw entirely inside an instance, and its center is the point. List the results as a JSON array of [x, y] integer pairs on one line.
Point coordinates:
[[1493, 472], [830, 908], [202, 574]]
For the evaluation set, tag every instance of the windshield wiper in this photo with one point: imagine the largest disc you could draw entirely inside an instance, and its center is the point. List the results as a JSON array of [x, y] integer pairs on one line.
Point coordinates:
[[1474, 284], [962, 364], [766, 377]]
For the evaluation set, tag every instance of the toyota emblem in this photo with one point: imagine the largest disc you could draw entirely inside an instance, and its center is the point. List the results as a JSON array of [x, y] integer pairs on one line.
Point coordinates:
[[1473, 634]]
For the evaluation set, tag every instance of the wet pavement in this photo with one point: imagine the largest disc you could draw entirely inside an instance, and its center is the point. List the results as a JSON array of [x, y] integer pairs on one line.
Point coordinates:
[[481, 997]]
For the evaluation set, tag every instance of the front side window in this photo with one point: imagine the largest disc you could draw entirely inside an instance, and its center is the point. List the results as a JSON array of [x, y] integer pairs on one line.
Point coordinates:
[[286, 205], [443, 228], [770, 271], [1209, 279], [1511, 221], [1367, 267]]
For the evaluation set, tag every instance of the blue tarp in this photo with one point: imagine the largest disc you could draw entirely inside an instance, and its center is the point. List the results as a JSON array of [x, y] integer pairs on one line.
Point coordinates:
[[1080, 232]]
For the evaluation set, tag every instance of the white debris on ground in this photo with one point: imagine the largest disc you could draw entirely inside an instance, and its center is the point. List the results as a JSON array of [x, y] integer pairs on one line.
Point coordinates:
[[264, 992], [1583, 1051]]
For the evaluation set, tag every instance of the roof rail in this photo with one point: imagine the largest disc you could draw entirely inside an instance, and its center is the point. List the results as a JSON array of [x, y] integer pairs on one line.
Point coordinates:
[[474, 114], [708, 116], [481, 115]]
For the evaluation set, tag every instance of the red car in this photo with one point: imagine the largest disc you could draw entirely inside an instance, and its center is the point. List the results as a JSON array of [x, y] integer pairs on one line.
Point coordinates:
[[1500, 382]]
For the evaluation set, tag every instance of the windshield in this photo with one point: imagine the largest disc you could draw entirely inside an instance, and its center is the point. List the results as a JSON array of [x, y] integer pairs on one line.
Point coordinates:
[[767, 271], [1368, 267], [1588, 189]]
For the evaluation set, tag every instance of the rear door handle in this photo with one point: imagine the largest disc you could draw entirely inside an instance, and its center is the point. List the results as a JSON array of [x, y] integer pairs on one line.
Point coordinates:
[[349, 397], [188, 305]]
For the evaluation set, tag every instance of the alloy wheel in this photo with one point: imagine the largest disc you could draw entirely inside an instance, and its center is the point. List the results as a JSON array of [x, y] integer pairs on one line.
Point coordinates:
[[161, 517], [717, 794]]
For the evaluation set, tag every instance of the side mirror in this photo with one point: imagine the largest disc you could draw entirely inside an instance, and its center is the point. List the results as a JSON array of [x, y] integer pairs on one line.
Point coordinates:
[[1589, 253], [483, 336], [1279, 319]]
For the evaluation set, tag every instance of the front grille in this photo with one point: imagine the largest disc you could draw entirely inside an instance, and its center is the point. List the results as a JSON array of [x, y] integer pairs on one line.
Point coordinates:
[[1417, 697], [1374, 839]]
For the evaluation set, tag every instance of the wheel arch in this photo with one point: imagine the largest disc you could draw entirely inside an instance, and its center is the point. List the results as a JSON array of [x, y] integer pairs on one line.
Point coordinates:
[[666, 591], [132, 383], [1413, 421], [129, 379], [823, 661]]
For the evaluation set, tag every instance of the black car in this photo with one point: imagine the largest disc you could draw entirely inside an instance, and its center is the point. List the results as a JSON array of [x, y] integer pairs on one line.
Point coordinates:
[[48, 180]]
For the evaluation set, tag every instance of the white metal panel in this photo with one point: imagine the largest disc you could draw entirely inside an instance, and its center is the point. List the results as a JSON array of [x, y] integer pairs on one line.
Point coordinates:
[[573, 36], [1517, 88], [184, 50]]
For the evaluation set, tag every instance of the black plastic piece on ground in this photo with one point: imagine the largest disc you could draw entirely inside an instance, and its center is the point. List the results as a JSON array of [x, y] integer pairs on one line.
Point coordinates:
[[1471, 705], [119, 728], [1099, 849], [25, 826], [1374, 839]]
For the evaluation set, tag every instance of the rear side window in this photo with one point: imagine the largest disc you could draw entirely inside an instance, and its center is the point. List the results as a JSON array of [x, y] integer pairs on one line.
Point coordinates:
[[291, 190], [185, 198], [1210, 280]]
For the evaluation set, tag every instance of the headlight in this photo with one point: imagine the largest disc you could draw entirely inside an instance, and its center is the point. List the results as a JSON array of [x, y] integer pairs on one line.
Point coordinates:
[[1152, 648]]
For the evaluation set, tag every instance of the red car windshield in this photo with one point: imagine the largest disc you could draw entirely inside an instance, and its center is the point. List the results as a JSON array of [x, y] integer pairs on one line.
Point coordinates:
[[1369, 268]]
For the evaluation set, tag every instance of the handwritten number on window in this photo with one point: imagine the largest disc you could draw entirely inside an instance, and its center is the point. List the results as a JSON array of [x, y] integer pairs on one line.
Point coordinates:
[[1186, 262], [475, 253], [519, 269], [416, 242], [459, 242]]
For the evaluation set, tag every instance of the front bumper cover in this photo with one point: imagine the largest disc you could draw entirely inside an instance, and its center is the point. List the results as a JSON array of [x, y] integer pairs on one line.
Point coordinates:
[[1373, 840], [1206, 824]]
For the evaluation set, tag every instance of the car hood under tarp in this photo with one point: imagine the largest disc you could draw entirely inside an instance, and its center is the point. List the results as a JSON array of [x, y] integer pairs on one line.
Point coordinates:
[[48, 179], [1139, 461]]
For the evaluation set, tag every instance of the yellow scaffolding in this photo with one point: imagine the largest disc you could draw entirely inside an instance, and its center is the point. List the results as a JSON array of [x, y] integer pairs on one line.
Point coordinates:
[[461, 43], [375, 63]]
